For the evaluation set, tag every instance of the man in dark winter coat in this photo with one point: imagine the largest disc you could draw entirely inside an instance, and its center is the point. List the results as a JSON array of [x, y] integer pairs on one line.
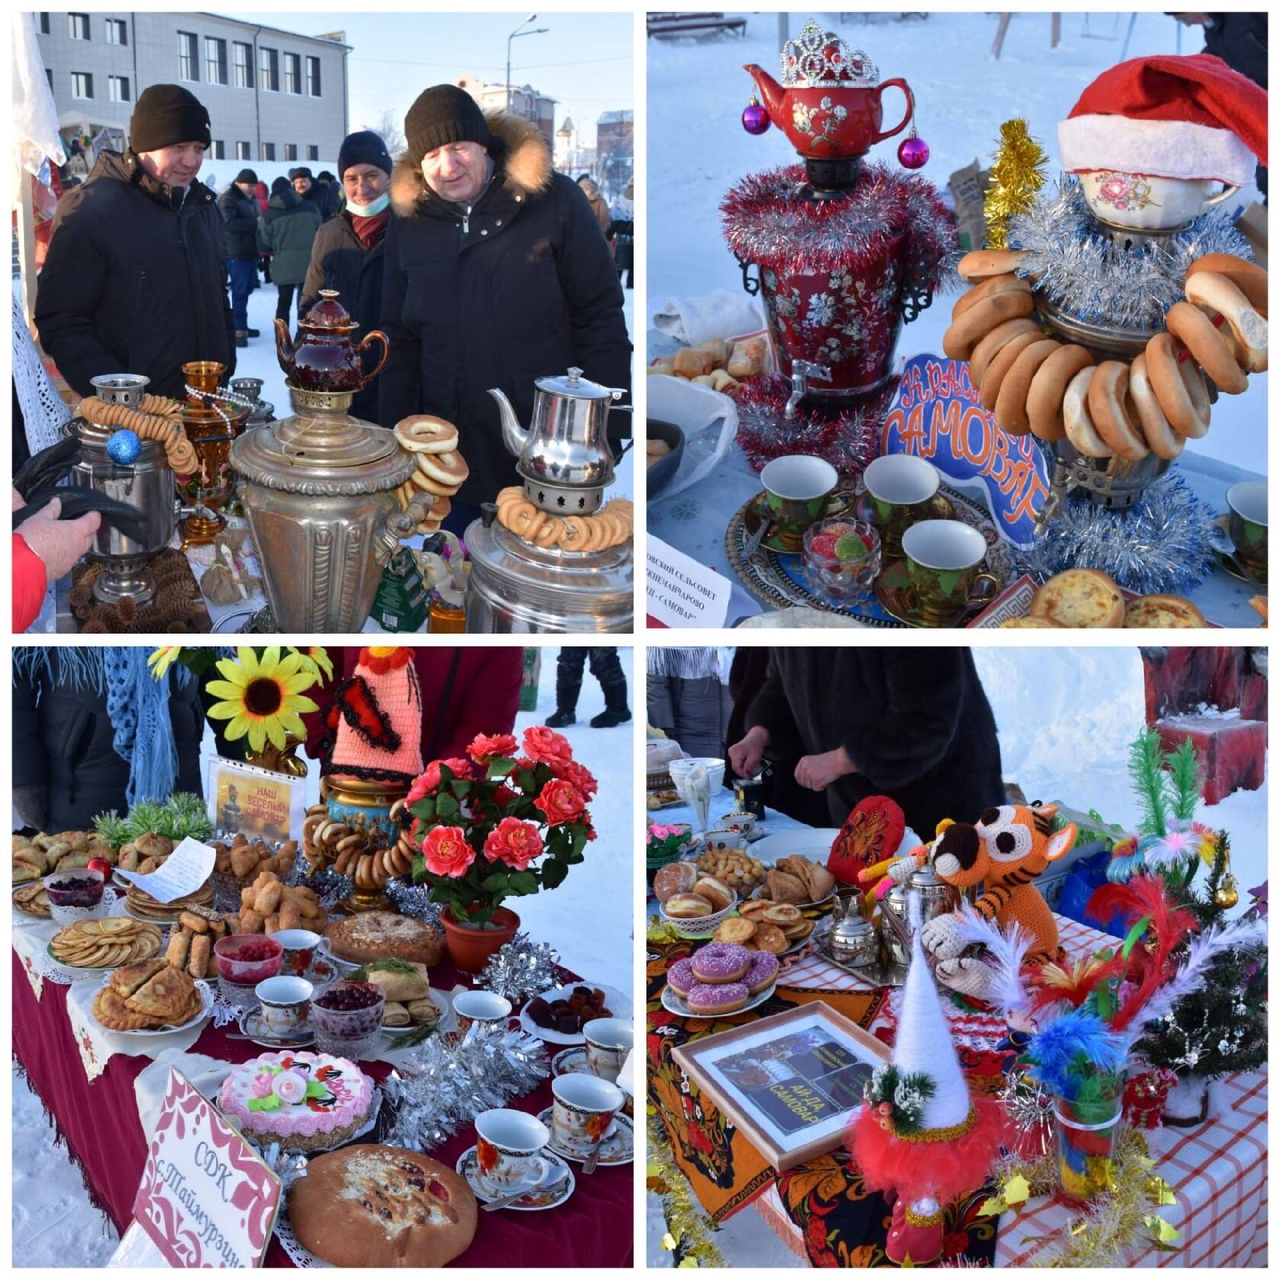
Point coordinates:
[[134, 280], [496, 274], [347, 254], [288, 230], [239, 208], [319, 194], [913, 724]]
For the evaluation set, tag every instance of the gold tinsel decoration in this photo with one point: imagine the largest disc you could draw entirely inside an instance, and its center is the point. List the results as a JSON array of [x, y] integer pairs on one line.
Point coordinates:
[[688, 1234], [1109, 1230], [1017, 174]]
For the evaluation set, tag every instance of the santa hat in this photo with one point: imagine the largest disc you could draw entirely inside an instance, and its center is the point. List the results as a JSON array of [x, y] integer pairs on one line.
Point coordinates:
[[1169, 117], [379, 734]]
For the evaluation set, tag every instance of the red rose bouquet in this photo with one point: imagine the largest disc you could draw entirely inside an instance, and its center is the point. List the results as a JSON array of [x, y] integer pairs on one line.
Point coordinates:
[[494, 825]]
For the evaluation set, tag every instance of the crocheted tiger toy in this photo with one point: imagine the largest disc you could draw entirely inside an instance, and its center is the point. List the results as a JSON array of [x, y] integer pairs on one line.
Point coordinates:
[[1003, 851]]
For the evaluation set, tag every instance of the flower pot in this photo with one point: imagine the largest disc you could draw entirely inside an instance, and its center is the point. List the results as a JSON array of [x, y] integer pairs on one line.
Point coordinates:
[[471, 945]]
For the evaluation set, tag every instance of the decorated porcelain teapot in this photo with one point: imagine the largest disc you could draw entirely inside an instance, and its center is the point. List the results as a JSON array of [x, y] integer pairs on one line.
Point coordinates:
[[324, 355]]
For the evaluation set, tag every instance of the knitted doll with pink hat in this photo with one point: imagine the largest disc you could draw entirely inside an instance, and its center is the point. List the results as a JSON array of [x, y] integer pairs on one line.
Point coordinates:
[[919, 1134], [379, 709]]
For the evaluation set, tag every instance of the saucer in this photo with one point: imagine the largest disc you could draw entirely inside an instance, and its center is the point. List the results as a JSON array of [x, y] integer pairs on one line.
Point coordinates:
[[571, 1061], [898, 597], [618, 1147], [531, 1201], [252, 1025]]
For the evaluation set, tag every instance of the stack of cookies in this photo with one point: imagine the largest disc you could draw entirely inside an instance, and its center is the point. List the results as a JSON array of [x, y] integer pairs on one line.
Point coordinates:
[[720, 978], [761, 925], [144, 906], [146, 997], [105, 943], [441, 470]]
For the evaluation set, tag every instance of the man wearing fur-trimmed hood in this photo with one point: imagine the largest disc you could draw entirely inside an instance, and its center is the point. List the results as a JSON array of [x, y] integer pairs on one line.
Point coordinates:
[[496, 273]]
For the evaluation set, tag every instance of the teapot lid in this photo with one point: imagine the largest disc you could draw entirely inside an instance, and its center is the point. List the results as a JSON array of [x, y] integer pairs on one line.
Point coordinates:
[[818, 59], [328, 313], [574, 385]]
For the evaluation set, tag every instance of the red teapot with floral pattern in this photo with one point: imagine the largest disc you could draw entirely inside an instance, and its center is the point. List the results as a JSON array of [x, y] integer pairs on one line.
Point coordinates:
[[324, 356]]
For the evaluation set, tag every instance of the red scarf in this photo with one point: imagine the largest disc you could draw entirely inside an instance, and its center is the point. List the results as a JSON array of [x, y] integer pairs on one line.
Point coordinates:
[[371, 230]]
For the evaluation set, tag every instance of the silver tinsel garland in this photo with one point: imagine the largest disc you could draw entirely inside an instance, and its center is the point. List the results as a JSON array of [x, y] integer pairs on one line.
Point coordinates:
[[411, 900], [330, 887], [520, 969], [447, 1082], [1083, 271], [1160, 545]]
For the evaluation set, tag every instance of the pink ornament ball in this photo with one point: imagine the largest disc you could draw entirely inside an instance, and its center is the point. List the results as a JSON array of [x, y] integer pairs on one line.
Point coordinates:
[[913, 153], [755, 119]]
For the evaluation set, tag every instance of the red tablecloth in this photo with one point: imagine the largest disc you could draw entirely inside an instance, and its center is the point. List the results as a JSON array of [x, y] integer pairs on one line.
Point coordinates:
[[100, 1124]]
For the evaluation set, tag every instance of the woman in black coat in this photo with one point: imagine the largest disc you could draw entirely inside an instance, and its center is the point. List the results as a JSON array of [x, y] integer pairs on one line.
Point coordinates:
[[913, 724]]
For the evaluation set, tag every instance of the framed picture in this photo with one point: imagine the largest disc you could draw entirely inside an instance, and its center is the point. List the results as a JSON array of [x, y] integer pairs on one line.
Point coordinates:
[[242, 797], [788, 1083]]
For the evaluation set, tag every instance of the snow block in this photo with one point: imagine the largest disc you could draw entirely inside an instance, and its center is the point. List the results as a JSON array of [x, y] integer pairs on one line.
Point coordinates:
[[1232, 750]]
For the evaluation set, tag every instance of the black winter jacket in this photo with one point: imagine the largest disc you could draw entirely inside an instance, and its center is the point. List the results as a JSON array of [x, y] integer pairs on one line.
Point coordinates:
[[915, 721], [324, 196], [523, 287], [288, 230], [340, 261], [240, 224], [134, 280], [62, 739]]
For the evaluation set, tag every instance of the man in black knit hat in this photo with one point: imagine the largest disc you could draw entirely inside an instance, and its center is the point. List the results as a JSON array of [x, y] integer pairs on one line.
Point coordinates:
[[239, 208], [134, 280], [497, 273]]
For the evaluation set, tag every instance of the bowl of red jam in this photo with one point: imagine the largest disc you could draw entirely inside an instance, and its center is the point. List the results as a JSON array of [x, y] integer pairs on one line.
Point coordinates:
[[247, 958]]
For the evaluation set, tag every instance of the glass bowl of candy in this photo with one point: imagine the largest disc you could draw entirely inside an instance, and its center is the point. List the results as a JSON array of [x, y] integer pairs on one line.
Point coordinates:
[[841, 559]]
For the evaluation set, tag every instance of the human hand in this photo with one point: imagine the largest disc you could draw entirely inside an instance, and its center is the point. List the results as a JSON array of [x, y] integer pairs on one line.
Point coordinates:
[[745, 757], [59, 543], [820, 771]]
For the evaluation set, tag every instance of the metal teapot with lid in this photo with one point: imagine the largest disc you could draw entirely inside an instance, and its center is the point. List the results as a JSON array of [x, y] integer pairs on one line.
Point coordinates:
[[936, 899], [563, 457]]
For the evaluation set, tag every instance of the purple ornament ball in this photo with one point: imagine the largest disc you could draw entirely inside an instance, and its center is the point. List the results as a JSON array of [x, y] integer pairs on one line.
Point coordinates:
[[755, 118], [124, 447], [913, 153]]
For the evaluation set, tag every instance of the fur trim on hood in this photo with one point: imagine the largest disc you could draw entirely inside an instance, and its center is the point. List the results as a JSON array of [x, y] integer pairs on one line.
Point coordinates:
[[521, 154]]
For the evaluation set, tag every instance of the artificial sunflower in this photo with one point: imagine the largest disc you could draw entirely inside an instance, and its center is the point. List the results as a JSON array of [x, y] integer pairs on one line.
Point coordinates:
[[263, 696], [318, 659], [163, 658]]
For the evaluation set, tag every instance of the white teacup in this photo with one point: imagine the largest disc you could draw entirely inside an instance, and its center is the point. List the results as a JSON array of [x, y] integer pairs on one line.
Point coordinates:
[[301, 946], [608, 1042], [480, 1006], [583, 1111], [1143, 202], [285, 1001], [509, 1150]]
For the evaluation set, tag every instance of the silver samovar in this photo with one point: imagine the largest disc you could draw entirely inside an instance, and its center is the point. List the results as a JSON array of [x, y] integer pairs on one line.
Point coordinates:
[[145, 484], [319, 487], [565, 464]]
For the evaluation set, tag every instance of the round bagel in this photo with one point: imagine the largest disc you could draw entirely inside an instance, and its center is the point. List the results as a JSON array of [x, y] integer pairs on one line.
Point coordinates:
[[1044, 397], [979, 264], [965, 333], [575, 533], [1215, 293], [519, 517], [1247, 276], [423, 433], [1161, 438], [1076, 420], [444, 468], [988, 347], [420, 480], [550, 533], [1011, 401], [1108, 389], [988, 288], [512, 493], [1210, 348], [1001, 363], [1179, 386]]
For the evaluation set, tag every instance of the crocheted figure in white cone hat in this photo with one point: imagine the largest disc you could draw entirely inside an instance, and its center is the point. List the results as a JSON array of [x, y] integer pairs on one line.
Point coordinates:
[[920, 1135]]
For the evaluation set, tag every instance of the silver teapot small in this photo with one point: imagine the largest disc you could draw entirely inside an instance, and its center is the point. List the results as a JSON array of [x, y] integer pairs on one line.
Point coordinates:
[[853, 940], [563, 458], [936, 899]]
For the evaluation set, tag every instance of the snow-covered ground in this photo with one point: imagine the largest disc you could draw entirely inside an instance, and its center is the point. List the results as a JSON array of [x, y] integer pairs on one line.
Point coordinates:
[[697, 147], [589, 919], [1066, 717]]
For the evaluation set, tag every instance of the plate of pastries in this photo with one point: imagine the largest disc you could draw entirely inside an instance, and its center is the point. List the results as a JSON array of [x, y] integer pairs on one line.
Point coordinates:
[[152, 997]]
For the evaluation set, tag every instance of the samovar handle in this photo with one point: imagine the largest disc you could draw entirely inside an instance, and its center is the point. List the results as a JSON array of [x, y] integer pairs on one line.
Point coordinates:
[[386, 351]]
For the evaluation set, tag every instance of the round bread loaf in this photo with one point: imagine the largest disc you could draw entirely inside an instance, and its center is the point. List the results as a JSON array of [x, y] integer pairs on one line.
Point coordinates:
[[715, 891], [374, 1206], [675, 877], [1080, 598], [687, 906], [1162, 611]]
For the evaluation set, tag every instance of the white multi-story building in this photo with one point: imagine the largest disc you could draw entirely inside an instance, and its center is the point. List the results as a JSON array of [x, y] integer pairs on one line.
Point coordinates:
[[272, 95]]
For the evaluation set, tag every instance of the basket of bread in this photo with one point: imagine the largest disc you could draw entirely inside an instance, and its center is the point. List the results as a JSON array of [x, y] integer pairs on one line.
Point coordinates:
[[239, 862], [693, 904]]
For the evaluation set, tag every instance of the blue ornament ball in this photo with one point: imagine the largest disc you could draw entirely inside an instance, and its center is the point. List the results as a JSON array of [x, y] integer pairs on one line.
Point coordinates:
[[124, 447]]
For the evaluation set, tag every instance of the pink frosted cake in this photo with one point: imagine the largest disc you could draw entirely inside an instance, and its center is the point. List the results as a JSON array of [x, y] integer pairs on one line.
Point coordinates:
[[303, 1101]]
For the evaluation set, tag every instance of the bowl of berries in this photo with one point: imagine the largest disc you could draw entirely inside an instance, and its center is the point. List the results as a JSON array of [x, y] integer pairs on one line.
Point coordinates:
[[347, 1018], [246, 959], [841, 559]]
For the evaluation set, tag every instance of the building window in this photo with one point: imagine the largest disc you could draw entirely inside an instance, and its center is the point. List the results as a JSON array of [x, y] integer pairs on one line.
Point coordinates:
[[219, 149], [44, 24], [313, 77], [292, 73], [241, 65], [215, 60], [78, 25], [117, 31], [290, 150], [188, 56], [242, 151], [269, 70], [268, 151], [81, 84], [118, 89], [313, 153]]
